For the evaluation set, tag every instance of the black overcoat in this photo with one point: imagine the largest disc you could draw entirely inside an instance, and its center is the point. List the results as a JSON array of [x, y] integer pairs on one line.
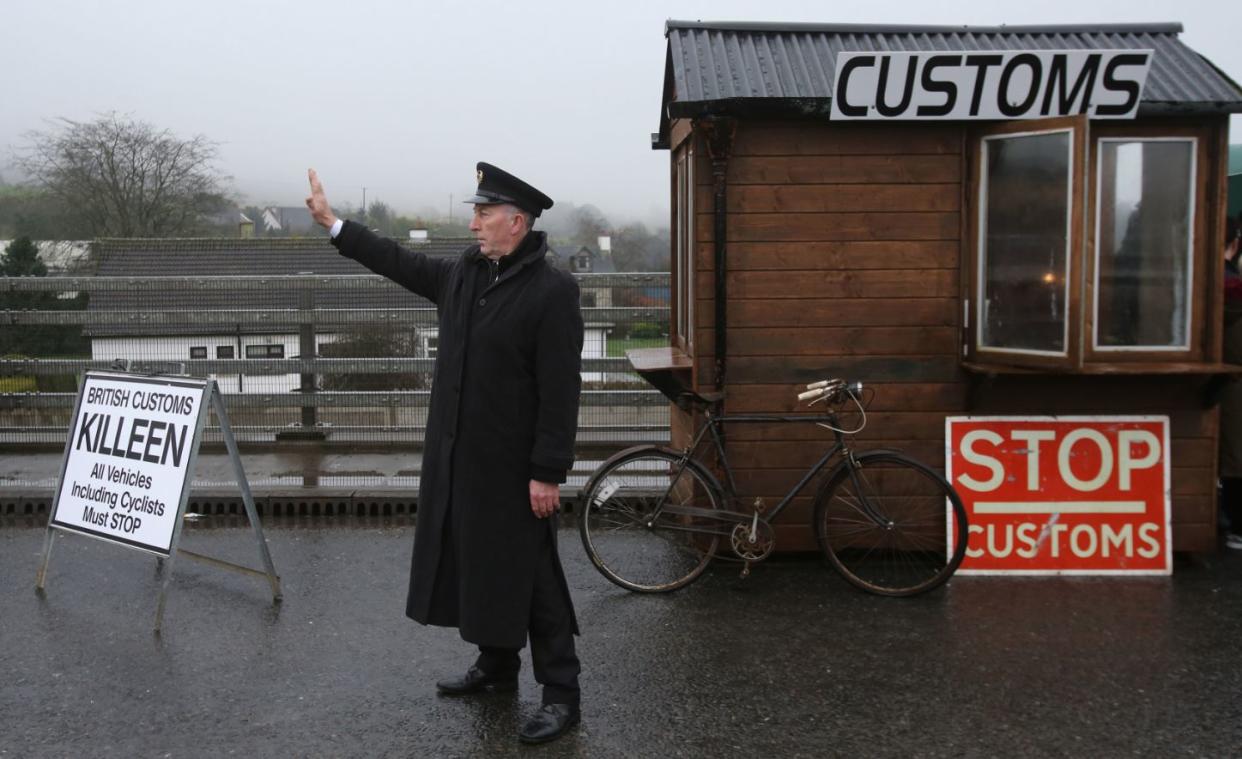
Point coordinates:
[[504, 406]]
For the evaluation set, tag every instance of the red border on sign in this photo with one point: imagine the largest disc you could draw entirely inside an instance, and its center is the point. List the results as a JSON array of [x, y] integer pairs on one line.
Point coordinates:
[[1063, 495]]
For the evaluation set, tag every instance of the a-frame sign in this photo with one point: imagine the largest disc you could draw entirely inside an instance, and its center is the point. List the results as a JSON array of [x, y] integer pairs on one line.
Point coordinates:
[[128, 464]]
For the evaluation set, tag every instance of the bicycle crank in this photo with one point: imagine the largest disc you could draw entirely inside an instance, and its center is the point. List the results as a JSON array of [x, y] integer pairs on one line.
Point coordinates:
[[752, 542]]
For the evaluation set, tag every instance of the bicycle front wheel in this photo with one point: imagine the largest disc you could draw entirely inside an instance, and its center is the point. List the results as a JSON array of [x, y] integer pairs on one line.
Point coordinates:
[[647, 520], [891, 525]]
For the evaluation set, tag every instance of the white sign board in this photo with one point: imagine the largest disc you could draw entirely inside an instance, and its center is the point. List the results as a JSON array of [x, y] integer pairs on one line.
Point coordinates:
[[128, 458], [989, 84]]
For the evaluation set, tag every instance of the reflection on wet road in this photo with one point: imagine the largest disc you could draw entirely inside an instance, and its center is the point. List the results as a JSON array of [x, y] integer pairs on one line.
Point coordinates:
[[792, 662]]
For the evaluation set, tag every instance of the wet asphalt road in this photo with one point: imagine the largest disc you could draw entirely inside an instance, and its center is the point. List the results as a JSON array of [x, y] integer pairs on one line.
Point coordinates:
[[791, 662]]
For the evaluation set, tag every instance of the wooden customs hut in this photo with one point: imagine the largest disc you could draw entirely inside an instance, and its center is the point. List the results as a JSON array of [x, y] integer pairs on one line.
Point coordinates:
[[974, 220]]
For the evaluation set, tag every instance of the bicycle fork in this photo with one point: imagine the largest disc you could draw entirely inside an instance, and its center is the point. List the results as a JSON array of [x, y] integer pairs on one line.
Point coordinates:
[[863, 490]]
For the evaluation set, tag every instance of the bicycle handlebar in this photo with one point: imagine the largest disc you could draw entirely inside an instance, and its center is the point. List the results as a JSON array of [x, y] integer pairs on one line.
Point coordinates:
[[831, 390]]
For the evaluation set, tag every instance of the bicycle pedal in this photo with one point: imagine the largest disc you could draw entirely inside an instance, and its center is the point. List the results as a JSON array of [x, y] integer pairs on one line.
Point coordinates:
[[745, 571]]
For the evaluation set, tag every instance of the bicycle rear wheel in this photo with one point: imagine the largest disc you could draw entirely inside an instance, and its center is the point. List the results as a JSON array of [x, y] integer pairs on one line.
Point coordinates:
[[891, 525], [623, 540]]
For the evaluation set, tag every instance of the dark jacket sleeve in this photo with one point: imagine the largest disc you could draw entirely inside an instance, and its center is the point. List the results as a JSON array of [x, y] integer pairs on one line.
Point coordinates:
[[415, 271], [558, 366]]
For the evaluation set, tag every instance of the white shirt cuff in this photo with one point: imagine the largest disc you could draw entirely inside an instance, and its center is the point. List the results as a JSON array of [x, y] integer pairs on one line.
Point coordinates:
[[336, 228]]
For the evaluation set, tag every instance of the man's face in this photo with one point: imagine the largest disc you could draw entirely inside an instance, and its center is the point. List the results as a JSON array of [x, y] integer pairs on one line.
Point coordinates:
[[497, 229]]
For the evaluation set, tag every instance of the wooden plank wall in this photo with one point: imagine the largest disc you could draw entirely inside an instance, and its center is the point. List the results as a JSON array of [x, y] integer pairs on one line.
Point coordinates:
[[844, 261]]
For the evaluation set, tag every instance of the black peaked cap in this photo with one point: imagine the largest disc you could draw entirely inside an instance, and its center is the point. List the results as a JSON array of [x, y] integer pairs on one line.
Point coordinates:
[[499, 186]]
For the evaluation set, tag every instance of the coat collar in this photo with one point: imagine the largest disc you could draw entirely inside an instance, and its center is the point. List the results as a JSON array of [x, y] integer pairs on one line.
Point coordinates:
[[532, 249]]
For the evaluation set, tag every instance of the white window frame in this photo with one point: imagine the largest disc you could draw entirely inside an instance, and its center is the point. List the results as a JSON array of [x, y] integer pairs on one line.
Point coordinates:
[[429, 341], [981, 281], [1190, 249], [267, 350], [691, 225], [679, 244]]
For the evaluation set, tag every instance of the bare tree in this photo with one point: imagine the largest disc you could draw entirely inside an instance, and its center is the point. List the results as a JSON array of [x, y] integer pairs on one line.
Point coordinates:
[[126, 178]]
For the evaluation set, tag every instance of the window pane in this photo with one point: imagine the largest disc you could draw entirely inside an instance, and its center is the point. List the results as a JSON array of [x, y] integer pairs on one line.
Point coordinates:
[[680, 272], [689, 254], [1143, 285], [265, 351], [1025, 254]]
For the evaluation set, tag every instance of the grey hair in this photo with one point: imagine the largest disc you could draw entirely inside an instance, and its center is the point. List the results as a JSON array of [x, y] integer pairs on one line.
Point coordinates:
[[528, 216]]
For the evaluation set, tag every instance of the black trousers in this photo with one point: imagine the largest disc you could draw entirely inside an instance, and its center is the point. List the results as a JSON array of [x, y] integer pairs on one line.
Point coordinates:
[[1231, 502], [552, 653]]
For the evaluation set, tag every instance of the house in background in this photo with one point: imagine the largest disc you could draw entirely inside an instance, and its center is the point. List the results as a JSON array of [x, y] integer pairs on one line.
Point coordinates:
[[65, 257], [581, 259], [178, 340], [289, 220]]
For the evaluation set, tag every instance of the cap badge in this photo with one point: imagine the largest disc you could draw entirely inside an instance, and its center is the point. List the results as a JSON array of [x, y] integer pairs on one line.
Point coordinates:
[[478, 175]]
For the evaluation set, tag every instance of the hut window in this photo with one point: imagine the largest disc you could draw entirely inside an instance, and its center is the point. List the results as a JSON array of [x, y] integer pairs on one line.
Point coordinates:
[[1089, 254], [1144, 244], [1024, 243]]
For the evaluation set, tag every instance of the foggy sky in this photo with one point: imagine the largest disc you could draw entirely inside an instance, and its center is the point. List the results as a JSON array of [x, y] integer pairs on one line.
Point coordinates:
[[404, 97]]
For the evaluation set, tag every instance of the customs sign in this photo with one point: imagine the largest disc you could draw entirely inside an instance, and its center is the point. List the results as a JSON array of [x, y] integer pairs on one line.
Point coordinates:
[[989, 84], [129, 457], [1063, 495]]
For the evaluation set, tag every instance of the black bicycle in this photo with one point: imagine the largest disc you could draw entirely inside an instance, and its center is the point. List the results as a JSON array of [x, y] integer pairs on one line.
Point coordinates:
[[653, 517]]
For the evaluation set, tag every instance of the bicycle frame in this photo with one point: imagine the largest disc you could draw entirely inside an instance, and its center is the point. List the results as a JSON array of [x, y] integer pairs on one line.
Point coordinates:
[[715, 424], [881, 518]]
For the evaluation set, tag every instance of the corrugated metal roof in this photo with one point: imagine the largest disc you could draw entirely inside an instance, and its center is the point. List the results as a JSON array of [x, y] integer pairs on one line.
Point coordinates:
[[219, 257], [717, 66]]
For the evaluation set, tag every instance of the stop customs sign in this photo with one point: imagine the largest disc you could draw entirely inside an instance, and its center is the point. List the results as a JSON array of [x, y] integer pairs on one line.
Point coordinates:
[[1063, 495]]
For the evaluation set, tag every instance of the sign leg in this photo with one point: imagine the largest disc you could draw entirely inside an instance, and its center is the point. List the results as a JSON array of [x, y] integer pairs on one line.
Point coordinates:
[[47, 555], [247, 497], [159, 606]]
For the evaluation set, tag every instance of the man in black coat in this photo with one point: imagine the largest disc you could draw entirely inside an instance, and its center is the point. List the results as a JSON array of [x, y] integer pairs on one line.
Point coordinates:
[[500, 438]]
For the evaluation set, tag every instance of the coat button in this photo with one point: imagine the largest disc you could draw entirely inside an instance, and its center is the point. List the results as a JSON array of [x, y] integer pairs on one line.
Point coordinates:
[[482, 301]]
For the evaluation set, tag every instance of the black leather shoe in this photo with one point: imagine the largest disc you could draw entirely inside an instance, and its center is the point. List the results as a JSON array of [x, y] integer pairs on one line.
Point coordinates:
[[549, 723], [477, 681]]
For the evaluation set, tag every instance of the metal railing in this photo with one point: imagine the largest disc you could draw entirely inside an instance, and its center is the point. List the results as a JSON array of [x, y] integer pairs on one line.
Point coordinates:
[[343, 358]]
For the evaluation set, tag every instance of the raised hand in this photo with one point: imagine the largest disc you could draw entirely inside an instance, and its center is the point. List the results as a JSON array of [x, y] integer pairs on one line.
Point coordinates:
[[321, 212]]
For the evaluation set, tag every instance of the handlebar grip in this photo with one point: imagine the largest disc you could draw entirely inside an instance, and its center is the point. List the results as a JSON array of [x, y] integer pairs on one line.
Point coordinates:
[[817, 385], [809, 394]]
